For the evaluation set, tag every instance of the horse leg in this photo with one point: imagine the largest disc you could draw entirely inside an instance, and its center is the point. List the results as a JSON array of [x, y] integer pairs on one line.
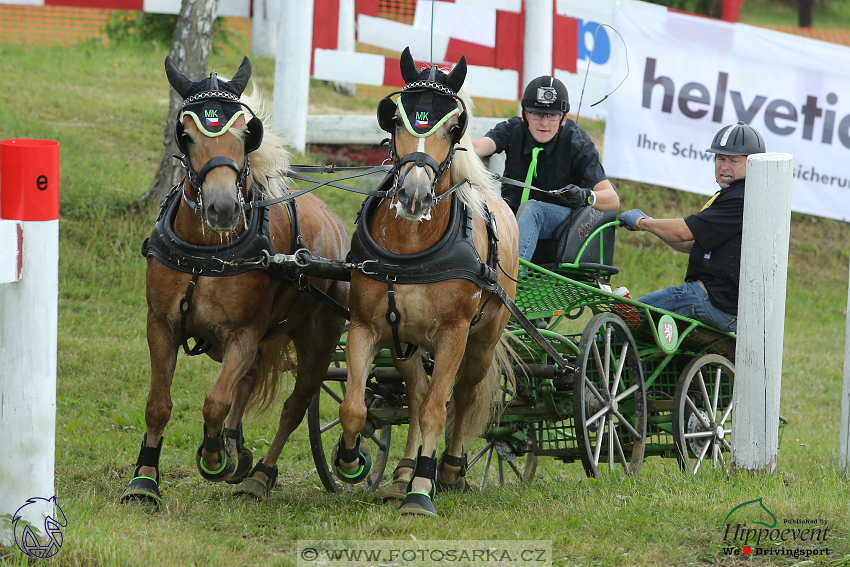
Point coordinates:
[[451, 343], [216, 458], [351, 461], [163, 354], [416, 386], [233, 422], [314, 345], [477, 360]]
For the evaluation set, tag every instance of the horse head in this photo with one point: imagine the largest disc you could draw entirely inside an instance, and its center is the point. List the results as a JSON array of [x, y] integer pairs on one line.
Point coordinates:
[[426, 123], [214, 129]]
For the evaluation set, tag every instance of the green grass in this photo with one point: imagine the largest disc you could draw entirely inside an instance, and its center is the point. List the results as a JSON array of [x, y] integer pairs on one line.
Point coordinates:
[[106, 107]]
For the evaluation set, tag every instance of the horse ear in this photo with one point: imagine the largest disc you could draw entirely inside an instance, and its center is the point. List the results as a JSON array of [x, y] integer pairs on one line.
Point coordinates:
[[409, 70], [457, 75], [176, 78], [240, 79]]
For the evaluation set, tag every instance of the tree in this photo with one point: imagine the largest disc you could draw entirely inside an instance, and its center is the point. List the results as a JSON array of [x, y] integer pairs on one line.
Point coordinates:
[[807, 13], [190, 50]]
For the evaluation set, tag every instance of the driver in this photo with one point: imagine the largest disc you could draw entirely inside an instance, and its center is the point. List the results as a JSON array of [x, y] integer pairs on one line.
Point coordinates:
[[712, 237], [546, 149]]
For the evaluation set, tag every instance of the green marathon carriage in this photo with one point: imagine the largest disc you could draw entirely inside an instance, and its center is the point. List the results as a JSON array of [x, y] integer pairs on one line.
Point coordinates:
[[640, 382]]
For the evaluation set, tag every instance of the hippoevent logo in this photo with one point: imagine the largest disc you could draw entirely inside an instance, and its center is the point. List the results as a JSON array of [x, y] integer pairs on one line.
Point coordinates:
[[751, 529], [49, 542]]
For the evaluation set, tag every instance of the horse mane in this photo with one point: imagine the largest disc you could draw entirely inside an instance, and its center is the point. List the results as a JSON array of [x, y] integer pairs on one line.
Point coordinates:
[[467, 165], [270, 162]]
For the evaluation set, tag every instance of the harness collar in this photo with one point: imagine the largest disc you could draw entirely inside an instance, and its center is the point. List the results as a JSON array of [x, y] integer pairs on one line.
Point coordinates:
[[246, 252]]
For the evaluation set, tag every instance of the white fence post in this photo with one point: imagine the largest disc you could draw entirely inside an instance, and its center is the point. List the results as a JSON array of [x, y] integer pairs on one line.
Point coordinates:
[[761, 312], [29, 201], [844, 436], [263, 30], [537, 45], [292, 72]]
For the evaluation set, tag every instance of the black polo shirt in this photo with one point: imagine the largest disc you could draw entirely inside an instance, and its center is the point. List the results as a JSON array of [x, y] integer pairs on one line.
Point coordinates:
[[715, 258], [568, 158]]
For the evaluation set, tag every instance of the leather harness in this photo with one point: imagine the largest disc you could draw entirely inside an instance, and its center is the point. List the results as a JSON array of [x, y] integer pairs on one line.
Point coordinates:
[[250, 250]]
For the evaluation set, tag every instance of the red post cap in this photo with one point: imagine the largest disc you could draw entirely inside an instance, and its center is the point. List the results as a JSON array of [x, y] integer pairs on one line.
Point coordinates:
[[29, 180]]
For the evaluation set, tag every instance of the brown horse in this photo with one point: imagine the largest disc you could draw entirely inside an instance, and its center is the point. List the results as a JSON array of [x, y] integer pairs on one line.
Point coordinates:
[[206, 280], [433, 255]]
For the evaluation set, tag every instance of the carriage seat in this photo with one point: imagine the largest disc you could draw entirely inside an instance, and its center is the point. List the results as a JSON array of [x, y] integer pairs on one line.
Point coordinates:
[[568, 238]]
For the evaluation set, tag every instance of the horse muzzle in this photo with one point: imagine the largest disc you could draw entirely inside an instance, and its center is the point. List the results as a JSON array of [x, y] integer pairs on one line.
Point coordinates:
[[415, 196], [222, 209]]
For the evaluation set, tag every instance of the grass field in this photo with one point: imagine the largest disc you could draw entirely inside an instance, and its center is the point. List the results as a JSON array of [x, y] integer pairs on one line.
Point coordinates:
[[106, 106]]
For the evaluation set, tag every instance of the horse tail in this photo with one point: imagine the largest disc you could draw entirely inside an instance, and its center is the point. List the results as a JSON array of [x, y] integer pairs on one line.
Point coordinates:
[[278, 356], [489, 400]]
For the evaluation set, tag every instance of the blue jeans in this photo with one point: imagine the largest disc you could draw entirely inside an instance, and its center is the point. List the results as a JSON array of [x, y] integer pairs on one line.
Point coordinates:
[[537, 220], [691, 301]]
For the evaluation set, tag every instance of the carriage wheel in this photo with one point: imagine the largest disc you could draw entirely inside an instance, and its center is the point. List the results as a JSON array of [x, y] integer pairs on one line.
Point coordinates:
[[325, 430], [610, 399], [702, 412], [499, 463]]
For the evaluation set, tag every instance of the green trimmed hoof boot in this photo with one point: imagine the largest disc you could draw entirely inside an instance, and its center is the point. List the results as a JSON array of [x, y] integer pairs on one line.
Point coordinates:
[[420, 503], [397, 491], [254, 488], [359, 452], [144, 489], [223, 448]]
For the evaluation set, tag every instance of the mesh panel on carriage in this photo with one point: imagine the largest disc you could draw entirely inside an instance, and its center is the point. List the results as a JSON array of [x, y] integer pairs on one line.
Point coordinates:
[[569, 237]]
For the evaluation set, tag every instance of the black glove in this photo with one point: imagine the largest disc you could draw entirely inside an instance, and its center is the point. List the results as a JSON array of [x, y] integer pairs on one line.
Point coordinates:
[[576, 197]]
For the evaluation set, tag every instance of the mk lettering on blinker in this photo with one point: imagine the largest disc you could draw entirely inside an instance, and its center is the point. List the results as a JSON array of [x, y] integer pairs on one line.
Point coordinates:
[[740, 533], [780, 116]]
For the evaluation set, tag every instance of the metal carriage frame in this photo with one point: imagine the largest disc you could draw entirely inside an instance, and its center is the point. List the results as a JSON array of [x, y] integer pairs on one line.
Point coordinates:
[[642, 382]]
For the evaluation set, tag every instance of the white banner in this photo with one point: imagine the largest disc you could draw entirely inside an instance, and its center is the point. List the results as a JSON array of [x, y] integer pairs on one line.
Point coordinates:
[[690, 76]]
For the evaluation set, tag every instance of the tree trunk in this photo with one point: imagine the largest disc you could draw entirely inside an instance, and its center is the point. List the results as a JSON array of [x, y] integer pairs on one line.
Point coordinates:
[[190, 49], [807, 13]]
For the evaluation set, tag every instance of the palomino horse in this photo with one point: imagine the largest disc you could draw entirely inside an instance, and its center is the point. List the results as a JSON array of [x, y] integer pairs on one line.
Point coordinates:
[[207, 280], [424, 283]]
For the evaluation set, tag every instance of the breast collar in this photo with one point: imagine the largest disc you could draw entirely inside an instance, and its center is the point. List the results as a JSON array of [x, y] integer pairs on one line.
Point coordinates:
[[244, 253], [453, 256]]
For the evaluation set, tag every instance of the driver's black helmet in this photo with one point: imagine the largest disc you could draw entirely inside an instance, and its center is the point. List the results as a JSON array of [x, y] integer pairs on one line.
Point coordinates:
[[546, 94], [739, 139]]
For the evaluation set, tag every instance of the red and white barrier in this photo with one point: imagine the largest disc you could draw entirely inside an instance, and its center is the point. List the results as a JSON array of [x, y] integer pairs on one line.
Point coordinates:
[[29, 240]]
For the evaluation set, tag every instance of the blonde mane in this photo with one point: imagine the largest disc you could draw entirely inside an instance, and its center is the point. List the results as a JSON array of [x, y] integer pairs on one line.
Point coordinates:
[[467, 165], [270, 162]]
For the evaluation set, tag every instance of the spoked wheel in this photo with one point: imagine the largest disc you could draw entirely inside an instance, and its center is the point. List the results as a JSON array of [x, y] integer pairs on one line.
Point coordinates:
[[499, 463], [325, 429], [702, 412], [609, 398]]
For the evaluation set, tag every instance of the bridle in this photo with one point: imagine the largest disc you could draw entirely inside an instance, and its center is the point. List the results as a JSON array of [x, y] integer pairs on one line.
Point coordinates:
[[252, 141], [386, 118]]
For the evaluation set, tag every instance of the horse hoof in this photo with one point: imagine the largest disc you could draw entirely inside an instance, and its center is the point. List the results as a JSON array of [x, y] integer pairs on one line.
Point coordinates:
[[243, 467], [255, 488], [252, 488], [396, 493], [417, 504], [144, 490], [225, 471], [459, 485], [364, 457]]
